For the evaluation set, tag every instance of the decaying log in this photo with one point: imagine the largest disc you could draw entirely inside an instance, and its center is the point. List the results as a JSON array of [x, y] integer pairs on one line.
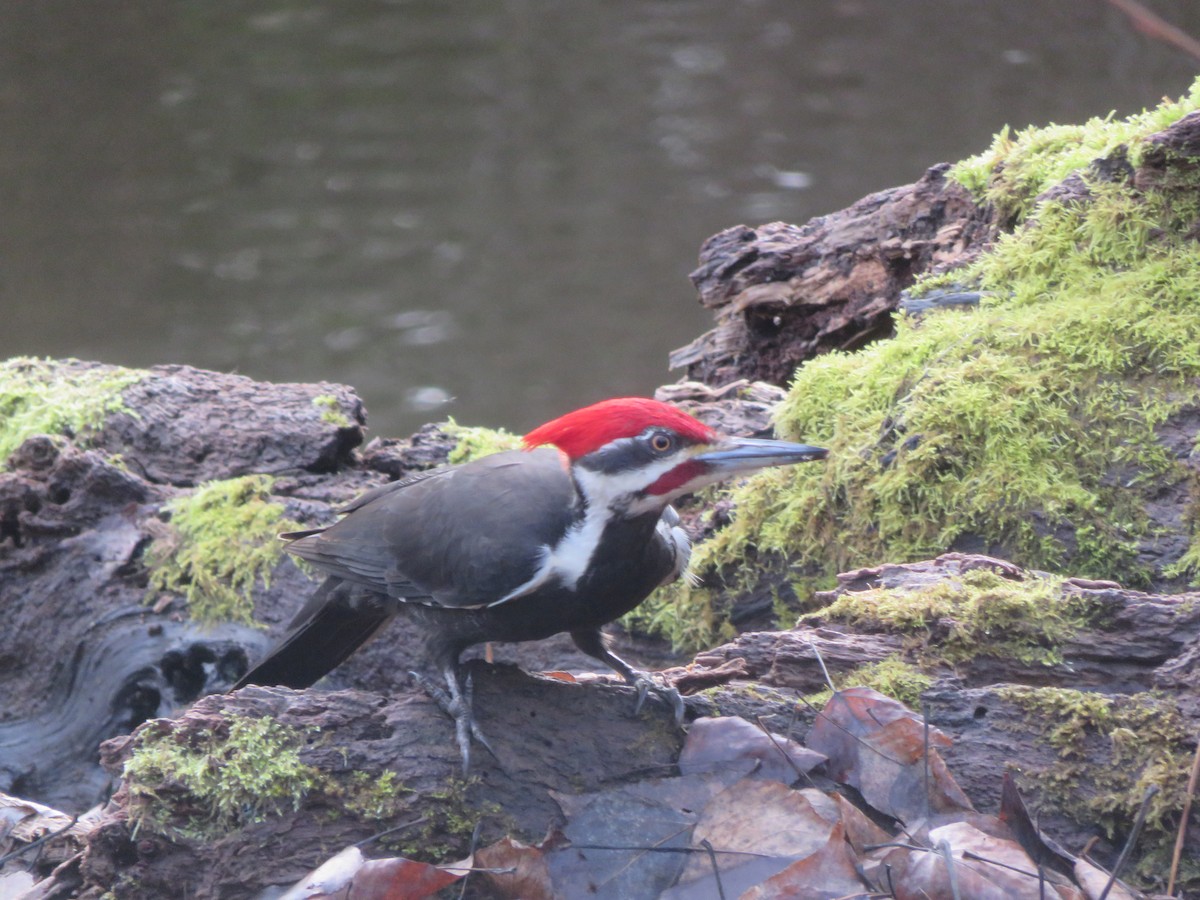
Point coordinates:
[[550, 736], [783, 293]]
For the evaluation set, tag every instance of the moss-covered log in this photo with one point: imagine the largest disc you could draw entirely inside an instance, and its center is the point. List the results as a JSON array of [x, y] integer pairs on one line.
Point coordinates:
[[1053, 422]]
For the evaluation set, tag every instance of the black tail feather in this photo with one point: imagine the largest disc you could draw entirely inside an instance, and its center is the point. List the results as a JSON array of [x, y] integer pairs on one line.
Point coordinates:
[[336, 621]]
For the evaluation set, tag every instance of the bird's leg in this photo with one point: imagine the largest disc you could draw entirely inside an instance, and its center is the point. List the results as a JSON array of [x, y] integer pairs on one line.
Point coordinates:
[[457, 702], [591, 642]]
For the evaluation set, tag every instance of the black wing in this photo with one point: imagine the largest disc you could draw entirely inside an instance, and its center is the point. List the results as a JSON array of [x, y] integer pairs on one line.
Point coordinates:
[[459, 536]]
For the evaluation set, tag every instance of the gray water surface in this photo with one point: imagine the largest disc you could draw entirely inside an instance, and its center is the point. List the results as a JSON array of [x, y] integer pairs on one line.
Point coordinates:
[[484, 210]]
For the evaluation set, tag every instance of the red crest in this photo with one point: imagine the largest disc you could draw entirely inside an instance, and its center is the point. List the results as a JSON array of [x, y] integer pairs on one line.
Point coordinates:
[[580, 432]]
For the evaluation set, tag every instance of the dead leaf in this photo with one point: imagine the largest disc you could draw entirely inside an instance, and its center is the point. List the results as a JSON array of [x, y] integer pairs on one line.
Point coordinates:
[[732, 744], [877, 745], [861, 832], [1016, 816], [397, 878], [629, 841], [531, 878], [1093, 881], [757, 829], [26, 821], [984, 867], [349, 876], [329, 878], [23, 822], [826, 874]]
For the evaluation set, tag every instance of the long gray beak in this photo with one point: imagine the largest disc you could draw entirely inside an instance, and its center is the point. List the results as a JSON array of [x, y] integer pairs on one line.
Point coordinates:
[[736, 455]]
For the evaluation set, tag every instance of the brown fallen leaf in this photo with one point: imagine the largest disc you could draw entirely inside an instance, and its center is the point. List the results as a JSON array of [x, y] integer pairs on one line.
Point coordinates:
[[530, 879], [730, 743], [756, 829], [984, 868], [878, 745], [350, 876], [828, 873], [629, 841], [861, 832], [1016, 816], [1093, 881]]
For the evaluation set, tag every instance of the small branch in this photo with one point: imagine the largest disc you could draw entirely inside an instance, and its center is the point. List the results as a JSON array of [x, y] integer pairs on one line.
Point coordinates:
[[925, 758], [1134, 833], [471, 853], [821, 663], [712, 858], [43, 839], [1183, 821], [1157, 28], [943, 848], [783, 752], [400, 827]]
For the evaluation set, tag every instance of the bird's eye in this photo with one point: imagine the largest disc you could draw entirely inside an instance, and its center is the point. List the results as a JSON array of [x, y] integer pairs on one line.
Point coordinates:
[[660, 442]]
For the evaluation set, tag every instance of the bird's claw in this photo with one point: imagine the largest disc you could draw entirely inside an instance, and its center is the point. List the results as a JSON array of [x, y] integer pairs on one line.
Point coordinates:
[[457, 703], [665, 692]]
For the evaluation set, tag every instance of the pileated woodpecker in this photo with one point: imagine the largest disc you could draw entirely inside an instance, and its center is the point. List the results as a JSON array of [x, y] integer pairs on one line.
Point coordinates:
[[566, 535]]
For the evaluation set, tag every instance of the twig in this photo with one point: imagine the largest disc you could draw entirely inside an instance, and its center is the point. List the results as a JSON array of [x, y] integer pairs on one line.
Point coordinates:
[[925, 758], [782, 751], [471, 856], [43, 839], [821, 663], [1183, 821], [712, 858], [401, 827], [1134, 833], [643, 849], [943, 848], [901, 844], [968, 854], [1158, 28]]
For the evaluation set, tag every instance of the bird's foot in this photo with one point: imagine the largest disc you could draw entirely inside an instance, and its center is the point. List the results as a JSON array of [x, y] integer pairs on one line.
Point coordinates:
[[458, 704], [647, 685]]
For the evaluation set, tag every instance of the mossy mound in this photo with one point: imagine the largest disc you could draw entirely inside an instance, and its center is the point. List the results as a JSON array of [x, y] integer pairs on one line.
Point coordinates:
[[220, 542], [474, 442], [1027, 426], [60, 397], [1145, 745], [233, 775], [982, 613], [892, 677], [237, 772]]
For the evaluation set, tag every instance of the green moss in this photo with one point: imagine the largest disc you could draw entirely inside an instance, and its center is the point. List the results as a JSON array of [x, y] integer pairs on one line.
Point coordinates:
[[980, 614], [1028, 423], [203, 784], [690, 616], [222, 540], [450, 822], [43, 396], [331, 411], [1018, 167], [1188, 565], [211, 782], [372, 796], [1147, 743], [476, 442], [891, 676]]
